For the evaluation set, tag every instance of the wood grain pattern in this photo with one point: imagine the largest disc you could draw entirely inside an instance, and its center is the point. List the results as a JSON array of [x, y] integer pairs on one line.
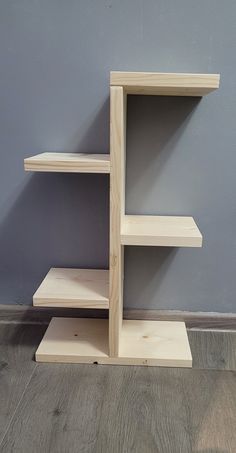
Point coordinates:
[[135, 340], [160, 343], [150, 417], [171, 84], [17, 346], [168, 231], [61, 411], [117, 149], [68, 163], [71, 340], [74, 288], [214, 350], [80, 409]]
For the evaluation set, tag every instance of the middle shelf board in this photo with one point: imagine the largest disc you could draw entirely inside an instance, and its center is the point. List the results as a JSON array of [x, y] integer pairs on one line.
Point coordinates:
[[74, 288], [167, 231], [69, 163]]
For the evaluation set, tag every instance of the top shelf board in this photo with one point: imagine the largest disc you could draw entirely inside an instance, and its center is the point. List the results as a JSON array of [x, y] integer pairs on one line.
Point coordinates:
[[168, 84], [68, 163]]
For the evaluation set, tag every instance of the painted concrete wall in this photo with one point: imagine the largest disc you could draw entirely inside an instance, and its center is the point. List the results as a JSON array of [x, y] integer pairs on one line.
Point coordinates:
[[55, 59]]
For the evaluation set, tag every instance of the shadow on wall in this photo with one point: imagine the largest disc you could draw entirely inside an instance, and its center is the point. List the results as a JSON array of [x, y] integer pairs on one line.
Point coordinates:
[[155, 126], [97, 133], [57, 219], [145, 271]]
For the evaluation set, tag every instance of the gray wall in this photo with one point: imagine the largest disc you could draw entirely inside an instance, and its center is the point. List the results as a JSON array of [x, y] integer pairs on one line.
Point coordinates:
[[55, 59]]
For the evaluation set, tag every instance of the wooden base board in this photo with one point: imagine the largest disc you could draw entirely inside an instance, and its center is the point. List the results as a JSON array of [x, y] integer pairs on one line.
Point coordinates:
[[152, 343]]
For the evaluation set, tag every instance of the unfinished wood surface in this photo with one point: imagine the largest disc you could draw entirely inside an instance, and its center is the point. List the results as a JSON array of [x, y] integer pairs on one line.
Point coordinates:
[[161, 343], [74, 340], [168, 231], [153, 343], [68, 163], [74, 288], [117, 177], [171, 84]]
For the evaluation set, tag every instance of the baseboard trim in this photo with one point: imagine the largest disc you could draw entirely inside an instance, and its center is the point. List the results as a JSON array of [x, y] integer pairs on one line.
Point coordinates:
[[42, 315], [194, 320]]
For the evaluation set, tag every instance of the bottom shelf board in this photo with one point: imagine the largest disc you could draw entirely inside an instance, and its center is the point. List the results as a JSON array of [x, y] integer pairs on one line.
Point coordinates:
[[85, 340]]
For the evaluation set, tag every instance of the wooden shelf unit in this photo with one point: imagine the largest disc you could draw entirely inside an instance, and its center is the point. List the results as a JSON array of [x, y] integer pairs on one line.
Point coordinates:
[[117, 341], [68, 163]]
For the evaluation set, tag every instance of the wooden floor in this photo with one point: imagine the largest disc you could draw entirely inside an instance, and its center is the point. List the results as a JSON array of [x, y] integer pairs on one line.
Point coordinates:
[[53, 408]]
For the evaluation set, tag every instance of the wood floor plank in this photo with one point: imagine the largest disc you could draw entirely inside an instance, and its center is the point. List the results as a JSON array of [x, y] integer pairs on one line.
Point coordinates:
[[17, 346], [103, 409], [213, 349], [209, 398], [61, 410], [141, 418], [170, 410], [56, 408]]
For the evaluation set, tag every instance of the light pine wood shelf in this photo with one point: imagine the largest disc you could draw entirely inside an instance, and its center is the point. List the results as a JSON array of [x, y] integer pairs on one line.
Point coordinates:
[[167, 231], [153, 343], [117, 341], [167, 84], [73, 288], [68, 163]]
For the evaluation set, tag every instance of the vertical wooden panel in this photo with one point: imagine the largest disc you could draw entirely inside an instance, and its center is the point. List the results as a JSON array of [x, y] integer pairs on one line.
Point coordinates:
[[117, 203]]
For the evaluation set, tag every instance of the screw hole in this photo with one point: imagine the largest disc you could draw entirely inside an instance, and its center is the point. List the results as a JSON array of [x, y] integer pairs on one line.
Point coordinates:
[[75, 335], [95, 363]]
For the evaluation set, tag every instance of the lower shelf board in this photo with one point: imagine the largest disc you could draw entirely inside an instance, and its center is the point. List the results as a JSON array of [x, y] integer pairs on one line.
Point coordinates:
[[85, 340], [74, 288]]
